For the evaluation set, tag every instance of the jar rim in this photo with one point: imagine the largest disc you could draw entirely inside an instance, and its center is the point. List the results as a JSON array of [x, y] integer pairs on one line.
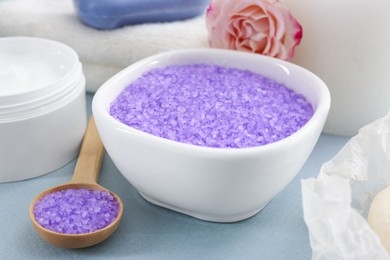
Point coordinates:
[[66, 77], [46, 105]]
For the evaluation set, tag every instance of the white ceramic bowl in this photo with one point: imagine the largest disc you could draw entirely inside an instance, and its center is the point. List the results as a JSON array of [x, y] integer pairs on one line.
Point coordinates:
[[214, 184]]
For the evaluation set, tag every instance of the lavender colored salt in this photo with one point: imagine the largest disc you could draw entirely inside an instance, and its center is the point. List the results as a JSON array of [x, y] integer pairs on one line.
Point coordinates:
[[76, 211], [210, 105]]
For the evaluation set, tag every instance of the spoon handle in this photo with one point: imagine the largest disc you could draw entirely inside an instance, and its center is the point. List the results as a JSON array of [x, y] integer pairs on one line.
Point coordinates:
[[90, 157]]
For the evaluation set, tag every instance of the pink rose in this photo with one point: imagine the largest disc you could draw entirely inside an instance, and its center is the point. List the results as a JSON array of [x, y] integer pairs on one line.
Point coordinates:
[[260, 26]]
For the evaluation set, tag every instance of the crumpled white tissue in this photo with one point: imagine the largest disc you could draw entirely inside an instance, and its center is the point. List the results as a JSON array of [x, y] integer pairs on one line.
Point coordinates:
[[336, 203]]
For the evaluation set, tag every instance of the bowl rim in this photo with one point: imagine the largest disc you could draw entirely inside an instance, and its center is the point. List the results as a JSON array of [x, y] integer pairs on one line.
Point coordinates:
[[321, 111]]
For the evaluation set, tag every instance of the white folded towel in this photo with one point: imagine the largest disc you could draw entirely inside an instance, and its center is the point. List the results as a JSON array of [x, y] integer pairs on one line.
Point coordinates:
[[102, 53]]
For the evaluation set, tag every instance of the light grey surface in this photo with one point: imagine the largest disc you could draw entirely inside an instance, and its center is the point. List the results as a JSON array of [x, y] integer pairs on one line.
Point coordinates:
[[151, 232]]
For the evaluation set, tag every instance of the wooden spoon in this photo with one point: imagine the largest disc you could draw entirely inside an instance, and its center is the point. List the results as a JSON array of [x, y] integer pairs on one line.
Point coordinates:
[[85, 176]]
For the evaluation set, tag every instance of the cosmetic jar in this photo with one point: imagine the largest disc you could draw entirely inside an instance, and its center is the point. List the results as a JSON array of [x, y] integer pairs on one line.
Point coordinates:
[[42, 106]]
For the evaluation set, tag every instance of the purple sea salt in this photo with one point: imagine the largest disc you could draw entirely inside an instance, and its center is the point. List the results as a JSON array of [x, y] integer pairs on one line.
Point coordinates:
[[213, 106], [76, 211]]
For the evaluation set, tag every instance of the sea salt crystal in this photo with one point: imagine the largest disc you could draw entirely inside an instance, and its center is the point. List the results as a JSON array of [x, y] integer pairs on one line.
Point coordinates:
[[211, 105], [76, 211]]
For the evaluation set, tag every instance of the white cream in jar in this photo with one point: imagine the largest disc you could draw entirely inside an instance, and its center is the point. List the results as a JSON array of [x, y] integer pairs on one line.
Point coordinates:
[[24, 72]]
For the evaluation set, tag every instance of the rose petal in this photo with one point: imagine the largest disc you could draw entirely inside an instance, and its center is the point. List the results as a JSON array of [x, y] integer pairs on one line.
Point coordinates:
[[243, 45], [275, 50], [277, 20], [257, 45], [259, 14], [262, 25], [268, 46], [248, 11]]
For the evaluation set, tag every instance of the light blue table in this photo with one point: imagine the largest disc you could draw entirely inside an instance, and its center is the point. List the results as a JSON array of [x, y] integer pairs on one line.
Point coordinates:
[[151, 232]]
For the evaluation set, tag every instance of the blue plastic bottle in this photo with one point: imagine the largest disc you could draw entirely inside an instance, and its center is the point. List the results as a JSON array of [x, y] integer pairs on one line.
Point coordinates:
[[112, 14]]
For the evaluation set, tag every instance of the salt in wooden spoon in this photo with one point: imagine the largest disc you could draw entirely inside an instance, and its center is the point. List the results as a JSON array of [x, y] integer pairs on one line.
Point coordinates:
[[85, 176]]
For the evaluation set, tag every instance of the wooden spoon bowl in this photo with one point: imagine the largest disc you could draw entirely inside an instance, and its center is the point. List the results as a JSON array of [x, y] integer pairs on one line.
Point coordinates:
[[85, 176]]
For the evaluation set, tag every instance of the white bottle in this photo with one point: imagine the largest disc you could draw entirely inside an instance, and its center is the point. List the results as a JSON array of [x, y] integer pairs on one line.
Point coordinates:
[[347, 44]]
